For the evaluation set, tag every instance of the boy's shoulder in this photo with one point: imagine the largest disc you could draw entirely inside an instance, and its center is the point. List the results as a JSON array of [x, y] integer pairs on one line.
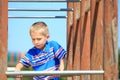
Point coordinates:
[[52, 42], [32, 51]]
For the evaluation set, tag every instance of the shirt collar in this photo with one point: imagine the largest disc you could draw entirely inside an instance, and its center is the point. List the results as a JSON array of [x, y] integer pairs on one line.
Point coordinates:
[[46, 49]]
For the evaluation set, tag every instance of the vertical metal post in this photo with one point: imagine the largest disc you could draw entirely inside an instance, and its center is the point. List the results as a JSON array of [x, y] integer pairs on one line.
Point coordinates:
[[3, 38]]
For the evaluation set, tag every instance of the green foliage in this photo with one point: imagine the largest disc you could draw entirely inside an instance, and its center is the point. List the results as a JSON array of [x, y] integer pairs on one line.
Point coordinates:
[[27, 69], [63, 78]]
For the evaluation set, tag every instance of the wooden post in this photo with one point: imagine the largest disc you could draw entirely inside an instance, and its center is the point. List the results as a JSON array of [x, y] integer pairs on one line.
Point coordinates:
[[85, 38], [76, 41], [70, 39], [96, 37], [92, 45], [111, 39], [3, 38]]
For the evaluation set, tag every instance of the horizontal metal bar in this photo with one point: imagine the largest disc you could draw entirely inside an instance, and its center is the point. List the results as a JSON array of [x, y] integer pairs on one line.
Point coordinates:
[[18, 9], [50, 73], [37, 16], [44, 0]]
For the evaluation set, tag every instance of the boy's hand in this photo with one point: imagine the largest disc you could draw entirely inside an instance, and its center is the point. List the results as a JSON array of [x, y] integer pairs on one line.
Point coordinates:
[[18, 76], [18, 68]]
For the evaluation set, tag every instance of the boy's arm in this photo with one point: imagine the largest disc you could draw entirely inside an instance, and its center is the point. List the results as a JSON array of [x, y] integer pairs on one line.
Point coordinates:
[[63, 63], [19, 66], [61, 68]]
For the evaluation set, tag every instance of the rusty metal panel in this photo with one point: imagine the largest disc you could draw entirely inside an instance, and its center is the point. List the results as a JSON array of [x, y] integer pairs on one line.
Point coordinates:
[[96, 37], [3, 38], [110, 40]]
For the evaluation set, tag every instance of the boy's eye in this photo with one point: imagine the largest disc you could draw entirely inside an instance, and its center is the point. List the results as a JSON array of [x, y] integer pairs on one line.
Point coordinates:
[[33, 39], [39, 39]]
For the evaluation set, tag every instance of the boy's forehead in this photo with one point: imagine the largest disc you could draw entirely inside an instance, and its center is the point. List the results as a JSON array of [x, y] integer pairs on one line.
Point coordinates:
[[37, 27], [37, 33], [37, 30]]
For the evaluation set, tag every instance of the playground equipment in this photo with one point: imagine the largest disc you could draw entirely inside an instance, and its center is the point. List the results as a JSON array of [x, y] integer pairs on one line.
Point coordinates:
[[92, 32]]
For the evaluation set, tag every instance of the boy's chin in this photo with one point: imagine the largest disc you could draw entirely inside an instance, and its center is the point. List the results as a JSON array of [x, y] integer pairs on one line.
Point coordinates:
[[40, 48]]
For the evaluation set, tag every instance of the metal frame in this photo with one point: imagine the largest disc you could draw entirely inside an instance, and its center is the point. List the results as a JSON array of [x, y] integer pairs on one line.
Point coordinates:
[[44, 0], [50, 73], [37, 17], [22, 9]]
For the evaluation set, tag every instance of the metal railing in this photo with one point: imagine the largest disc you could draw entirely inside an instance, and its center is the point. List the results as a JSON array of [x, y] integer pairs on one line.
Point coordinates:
[[37, 17], [44, 0], [23, 9], [51, 73]]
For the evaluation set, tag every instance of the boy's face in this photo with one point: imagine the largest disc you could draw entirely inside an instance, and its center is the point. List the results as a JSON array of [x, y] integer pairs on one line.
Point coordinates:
[[39, 39]]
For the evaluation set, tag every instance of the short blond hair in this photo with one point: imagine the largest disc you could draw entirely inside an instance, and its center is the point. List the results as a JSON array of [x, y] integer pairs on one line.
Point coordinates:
[[40, 26]]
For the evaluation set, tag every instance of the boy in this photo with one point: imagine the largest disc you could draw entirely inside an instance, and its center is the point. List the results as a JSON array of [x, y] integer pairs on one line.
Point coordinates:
[[45, 55]]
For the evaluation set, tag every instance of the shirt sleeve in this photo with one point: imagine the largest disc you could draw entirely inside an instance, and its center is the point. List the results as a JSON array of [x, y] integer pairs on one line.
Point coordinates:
[[59, 51], [26, 60]]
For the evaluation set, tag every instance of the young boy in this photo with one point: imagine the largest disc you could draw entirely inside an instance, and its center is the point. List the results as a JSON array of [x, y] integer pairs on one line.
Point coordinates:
[[45, 55]]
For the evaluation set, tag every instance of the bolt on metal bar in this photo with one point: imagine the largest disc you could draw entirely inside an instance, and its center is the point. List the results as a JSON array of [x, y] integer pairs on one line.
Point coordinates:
[[37, 17], [44, 0], [50, 73], [18, 9]]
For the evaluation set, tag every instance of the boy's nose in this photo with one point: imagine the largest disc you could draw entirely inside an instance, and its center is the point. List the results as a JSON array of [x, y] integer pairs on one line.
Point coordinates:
[[36, 41]]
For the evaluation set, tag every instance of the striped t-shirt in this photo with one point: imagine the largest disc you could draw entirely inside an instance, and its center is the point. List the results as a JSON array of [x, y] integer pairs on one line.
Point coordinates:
[[44, 60]]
